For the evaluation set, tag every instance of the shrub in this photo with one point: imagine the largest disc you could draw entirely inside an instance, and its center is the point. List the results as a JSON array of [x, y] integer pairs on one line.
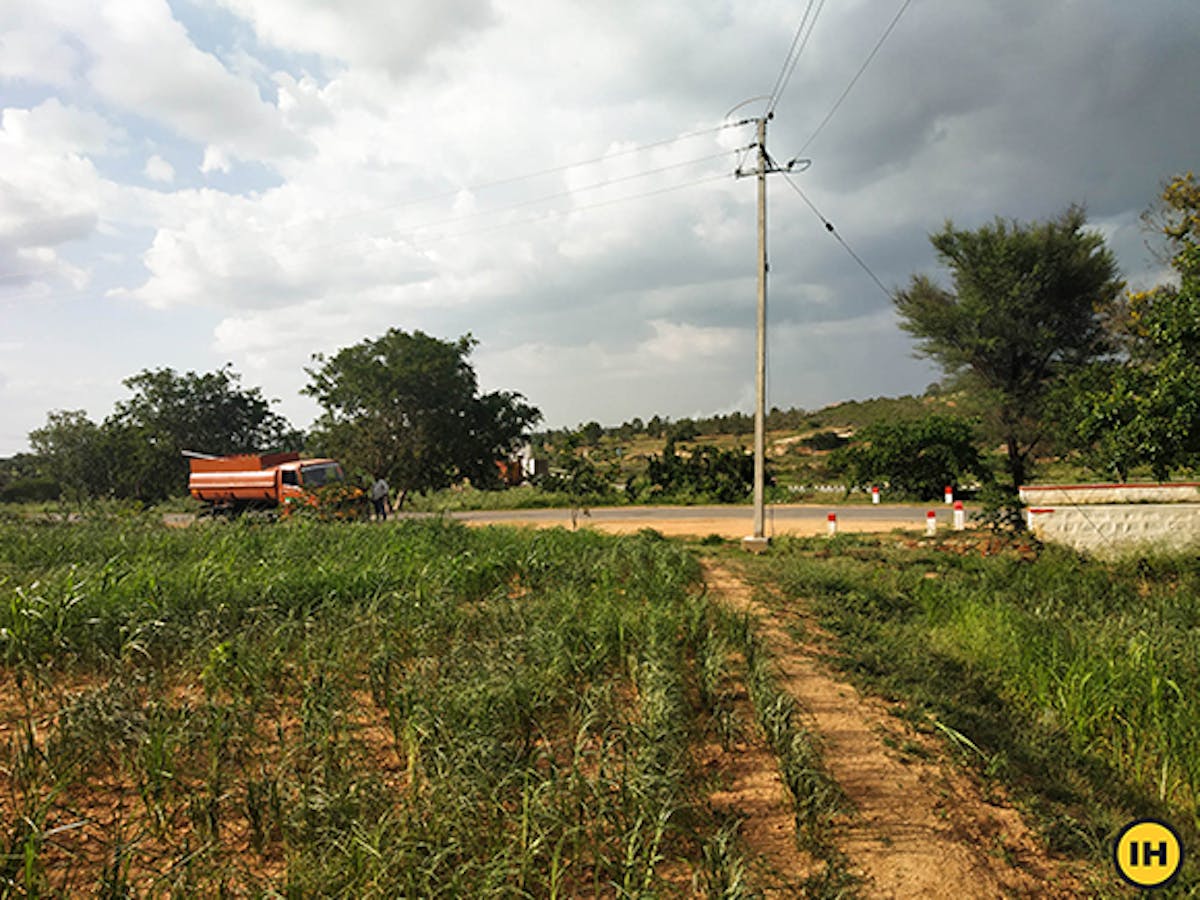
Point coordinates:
[[917, 458]]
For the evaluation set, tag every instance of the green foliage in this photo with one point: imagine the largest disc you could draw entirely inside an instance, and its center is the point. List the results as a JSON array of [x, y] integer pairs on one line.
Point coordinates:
[[1028, 305], [705, 473], [333, 502], [575, 477], [1000, 511], [1145, 408], [1073, 681], [208, 412], [69, 447], [136, 453], [308, 709], [915, 459], [407, 407], [824, 440], [25, 490]]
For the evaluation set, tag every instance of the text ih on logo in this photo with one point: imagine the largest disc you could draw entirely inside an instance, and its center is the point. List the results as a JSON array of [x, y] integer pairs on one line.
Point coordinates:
[[1148, 853]]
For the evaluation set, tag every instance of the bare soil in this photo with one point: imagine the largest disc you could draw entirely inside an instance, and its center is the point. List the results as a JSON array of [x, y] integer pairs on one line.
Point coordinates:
[[922, 826]]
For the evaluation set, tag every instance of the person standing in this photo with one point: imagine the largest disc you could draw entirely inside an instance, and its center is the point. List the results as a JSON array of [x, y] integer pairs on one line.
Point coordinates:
[[379, 497]]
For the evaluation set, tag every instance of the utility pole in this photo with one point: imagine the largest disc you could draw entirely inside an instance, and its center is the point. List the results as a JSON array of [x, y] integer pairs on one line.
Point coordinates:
[[758, 541]]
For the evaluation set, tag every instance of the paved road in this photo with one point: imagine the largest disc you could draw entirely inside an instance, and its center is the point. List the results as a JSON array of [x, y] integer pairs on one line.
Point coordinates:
[[727, 521], [730, 521]]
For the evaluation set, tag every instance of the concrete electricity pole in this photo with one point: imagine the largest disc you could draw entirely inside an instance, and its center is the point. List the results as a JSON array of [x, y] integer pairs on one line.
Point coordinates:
[[758, 541]]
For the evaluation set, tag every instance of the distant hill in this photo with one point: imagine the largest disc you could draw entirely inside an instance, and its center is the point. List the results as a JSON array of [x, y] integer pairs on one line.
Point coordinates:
[[848, 414]]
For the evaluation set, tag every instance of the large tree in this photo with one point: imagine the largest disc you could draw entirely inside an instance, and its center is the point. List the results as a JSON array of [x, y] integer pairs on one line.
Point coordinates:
[[208, 412], [1027, 305], [136, 452], [1144, 408], [407, 406], [67, 447]]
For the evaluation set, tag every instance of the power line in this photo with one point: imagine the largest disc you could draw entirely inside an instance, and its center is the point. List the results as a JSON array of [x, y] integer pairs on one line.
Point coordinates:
[[790, 67], [500, 182], [783, 70], [829, 227], [558, 195], [514, 179], [433, 239], [551, 214], [853, 81]]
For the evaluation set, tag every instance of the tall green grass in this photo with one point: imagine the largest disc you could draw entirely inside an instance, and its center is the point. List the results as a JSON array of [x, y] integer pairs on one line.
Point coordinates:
[[1076, 681], [307, 709]]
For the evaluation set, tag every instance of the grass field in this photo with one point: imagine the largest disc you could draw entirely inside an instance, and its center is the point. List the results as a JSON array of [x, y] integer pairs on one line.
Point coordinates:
[[418, 710], [1073, 683], [421, 709]]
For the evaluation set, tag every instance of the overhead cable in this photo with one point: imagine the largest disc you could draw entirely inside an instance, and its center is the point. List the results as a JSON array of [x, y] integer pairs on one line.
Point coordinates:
[[558, 195], [513, 179], [789, 64], [829, 227], [853, 81]]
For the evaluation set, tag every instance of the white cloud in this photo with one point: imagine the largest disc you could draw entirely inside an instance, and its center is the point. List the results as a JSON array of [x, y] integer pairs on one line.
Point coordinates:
[[678, 342], [158, 169], [144, 63], [56, 197], [33, 49], [216, 159], [61, 129], [396, 37]]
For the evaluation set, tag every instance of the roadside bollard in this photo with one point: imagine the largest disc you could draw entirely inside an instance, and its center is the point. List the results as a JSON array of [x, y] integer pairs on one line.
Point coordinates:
[[875, 495], [949, 495], [832, 524], [960, 516], [931, 523]]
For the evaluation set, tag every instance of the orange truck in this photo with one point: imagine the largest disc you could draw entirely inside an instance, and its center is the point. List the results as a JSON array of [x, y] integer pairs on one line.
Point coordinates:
[[257, 480]]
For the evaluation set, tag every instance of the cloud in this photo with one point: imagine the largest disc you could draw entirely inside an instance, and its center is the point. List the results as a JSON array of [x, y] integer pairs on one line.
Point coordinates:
[[377, 34], [679, 342], [33, 49], [158, 169], [61, 129], [50, 193], [145, 63]]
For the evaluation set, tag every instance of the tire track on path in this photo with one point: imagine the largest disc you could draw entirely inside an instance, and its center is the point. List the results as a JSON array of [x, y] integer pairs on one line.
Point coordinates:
[[921, 828]]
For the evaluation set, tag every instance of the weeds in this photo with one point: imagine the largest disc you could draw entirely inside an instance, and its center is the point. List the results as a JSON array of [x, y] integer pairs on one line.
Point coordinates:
[[301, 708], [1073, 681]]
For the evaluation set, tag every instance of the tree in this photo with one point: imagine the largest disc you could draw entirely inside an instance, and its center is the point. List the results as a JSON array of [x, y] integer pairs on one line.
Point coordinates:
[[1028, 305], [706, 473], [914, 458], [406, 406], [171, 412], [591, 433], [136, 452], [207, 412], [69, 448], [1145, 407]]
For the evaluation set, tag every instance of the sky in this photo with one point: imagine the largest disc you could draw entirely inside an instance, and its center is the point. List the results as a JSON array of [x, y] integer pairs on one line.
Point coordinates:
[[191, 184]]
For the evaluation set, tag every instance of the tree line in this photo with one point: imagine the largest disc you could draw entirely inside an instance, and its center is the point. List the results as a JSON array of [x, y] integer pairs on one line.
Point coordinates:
[[404, 406]]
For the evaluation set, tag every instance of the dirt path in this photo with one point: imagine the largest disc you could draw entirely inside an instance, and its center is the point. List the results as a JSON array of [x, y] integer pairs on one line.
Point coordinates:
[[920, 828]]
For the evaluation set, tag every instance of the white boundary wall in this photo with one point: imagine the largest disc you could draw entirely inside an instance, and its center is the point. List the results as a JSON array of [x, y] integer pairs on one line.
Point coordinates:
[[1112, 520]]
